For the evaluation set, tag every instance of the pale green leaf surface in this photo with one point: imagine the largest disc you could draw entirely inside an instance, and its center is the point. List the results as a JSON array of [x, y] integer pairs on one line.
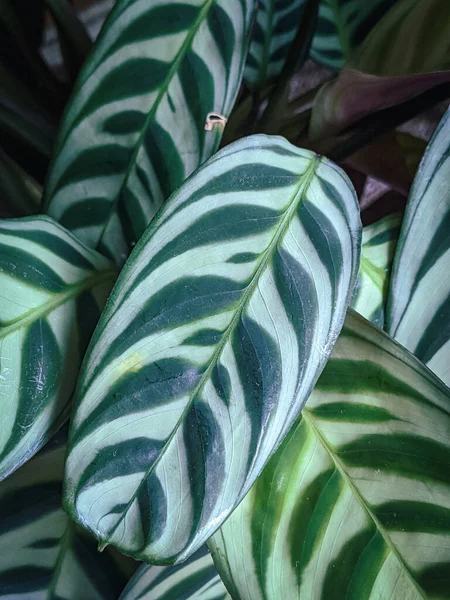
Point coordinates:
[[43, 555], [378, 246], [52, 292], [355, 503], [212, 340], [195, 579], [135, 128], [418, 311]]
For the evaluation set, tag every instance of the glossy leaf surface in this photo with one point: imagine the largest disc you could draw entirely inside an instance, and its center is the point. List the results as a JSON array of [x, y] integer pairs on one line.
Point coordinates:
[[195, 579], [356, 502], [413, 37], [212, 340], [42, 554], [378, 247], [53, 290], [342, 26], [418, 314], [135, 128], [277, 22]]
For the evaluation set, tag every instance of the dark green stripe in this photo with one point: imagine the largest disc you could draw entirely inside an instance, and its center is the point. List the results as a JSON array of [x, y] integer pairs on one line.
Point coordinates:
[[260, 372], [311, 517], [205, 461], [86, 213], [409, 456], [436, 334], [40, 376], [22, 507], [350, 412], [148, 387], [99, 161], [298, 294], [160, 21], [125, 122], [219, 225], [134, 77], [341, 568], [204, 337], [120, 460], [367, 569], [326, 241], [185, 300], [198, 85], [165, 158], [29, 269], [407, 515], [54, 243]]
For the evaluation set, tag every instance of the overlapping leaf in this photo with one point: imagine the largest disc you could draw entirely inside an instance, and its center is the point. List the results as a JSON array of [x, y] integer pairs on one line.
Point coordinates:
[[405, 55], [413, 37], [277, 22], [42, 554], [356, 502], [378, 247], [214, 335], [418, 312], [342, 26], [195, 579], [135, 128], [53, 290]]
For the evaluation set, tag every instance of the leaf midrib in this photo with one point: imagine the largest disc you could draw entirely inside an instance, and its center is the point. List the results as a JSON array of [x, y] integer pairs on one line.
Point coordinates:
[[304, 183], [309, 418], [53, 303], [162, 92]]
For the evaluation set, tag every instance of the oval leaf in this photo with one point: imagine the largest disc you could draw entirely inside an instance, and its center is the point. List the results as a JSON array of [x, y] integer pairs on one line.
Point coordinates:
[[53, 290], [418, 312], [195, 579], [136, 127], [42, 554], [378, 247], [215, 334], [356, 501]]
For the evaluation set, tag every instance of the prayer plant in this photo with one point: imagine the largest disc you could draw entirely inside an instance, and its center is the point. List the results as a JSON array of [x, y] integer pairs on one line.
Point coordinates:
[[215, 381]]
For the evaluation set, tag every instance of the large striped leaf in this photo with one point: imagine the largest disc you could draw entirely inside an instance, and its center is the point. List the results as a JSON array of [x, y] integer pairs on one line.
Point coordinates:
[[342, 26], [418, 311], [378, 247], [355, 504], [135, 128], [43, 555], [53, 290], [195, 579], [214, 335], [276, 25]]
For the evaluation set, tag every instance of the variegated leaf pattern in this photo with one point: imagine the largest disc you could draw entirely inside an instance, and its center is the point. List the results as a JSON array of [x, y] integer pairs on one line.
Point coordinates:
[[418, 311], [195, 579], [53, 290], [355, 503], [135, 128], [42, 554], [212, 339], [378, 246], [342, 26], [276, 25]]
